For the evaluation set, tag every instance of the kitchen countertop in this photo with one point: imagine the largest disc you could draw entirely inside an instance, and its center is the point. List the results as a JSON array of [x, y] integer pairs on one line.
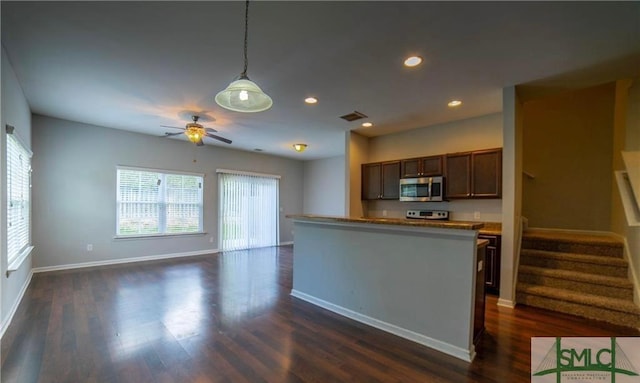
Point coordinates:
[[463, 225], [491, 228]]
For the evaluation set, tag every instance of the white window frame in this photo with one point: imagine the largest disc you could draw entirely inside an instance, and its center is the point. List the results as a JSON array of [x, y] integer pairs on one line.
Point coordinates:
[[162, 202], [17, 253]]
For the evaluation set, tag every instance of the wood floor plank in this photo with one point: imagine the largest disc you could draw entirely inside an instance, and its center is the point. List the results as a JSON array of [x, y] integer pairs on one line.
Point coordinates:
[[230, 318]]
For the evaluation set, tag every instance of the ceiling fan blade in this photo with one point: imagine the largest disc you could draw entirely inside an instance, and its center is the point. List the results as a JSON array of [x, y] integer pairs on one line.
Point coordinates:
[[226, 141], [210, 130], [200, 143], [172, 127], [166, 134]]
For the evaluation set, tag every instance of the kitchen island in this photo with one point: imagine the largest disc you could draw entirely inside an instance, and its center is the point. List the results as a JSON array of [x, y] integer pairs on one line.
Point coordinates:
[[412, 278]]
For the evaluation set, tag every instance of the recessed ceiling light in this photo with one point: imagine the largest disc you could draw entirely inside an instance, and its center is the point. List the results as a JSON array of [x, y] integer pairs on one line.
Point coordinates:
[[413, 61], [311, 100], [454, 103], [367, 124]]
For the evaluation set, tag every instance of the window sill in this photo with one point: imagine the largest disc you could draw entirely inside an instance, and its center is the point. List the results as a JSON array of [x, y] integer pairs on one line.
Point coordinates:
[[157, 236], [16, 263]]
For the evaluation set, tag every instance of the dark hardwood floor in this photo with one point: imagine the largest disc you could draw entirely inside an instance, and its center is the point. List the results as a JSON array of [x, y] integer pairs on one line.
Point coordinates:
[[230, 318]]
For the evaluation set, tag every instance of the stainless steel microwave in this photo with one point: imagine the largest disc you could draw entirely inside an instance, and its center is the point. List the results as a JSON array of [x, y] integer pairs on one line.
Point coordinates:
[[423, 189]]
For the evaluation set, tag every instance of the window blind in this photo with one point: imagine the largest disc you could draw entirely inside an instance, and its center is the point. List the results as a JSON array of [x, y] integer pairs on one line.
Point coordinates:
[[18, 197], [248, 211], [154, 202]]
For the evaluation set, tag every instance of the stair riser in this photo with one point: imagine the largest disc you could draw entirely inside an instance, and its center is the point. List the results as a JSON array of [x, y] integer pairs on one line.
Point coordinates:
[[577, 286], [591, 268], [597, 313], [572, 247]]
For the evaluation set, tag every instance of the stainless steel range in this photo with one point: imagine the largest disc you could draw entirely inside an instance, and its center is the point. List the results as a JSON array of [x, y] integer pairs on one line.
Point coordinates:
[[428, 214]]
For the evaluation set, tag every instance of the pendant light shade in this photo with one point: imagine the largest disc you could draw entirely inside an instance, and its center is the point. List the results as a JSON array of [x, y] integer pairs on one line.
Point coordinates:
[[244, 95]]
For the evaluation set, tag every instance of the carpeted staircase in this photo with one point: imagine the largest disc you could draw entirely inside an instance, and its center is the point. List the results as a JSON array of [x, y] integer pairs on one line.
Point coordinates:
[[579, 274]]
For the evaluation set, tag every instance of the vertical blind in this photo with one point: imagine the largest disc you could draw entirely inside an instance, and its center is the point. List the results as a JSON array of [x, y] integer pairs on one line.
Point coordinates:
[[151, 202], [248, 211], [18, 197]]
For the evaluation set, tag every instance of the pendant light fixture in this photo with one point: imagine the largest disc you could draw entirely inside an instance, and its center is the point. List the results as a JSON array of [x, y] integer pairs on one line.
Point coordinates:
[[244, 95]]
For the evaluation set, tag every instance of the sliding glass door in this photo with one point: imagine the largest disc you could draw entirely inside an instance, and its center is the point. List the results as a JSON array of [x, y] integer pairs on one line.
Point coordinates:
[[248, 210]]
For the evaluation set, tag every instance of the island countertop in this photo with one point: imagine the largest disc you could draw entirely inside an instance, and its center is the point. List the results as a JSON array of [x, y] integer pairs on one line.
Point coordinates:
[[461, 225]]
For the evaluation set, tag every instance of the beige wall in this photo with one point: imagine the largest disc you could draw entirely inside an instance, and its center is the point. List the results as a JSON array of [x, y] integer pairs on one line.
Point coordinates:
[[621, 109], [568, 141], [632, 143], [483, 132], [511, 194], [357, 152]]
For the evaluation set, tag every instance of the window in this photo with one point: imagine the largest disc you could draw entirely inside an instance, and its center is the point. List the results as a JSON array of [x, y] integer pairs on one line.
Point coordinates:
[[158, 202], [18, 199], [248, 210]]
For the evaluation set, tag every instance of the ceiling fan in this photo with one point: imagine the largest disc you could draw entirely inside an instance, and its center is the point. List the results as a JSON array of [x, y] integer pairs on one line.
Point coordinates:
[[196, 132]]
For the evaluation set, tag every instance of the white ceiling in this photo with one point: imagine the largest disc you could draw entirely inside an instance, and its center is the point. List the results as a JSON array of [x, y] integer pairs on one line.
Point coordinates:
[[138, 65]]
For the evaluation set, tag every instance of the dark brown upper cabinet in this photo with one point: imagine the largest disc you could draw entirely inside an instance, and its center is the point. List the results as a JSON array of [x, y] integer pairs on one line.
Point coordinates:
[[474, 174], [458, 175], [381, 180], [421, 167]]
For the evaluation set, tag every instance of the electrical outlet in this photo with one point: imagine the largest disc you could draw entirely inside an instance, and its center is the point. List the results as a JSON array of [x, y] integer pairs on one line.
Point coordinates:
[[90, 247], [211, 240], [384, 213], [476, 215]]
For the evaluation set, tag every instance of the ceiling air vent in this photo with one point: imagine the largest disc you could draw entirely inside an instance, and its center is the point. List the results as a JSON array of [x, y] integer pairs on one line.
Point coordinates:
[[353, 116]]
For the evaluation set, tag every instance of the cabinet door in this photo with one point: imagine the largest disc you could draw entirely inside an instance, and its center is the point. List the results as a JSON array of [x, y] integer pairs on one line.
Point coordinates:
[[478, 320], [391, 180], [411, 167], [431, 166], [371, 181], [458, 175], [492, 272], [486, 174]]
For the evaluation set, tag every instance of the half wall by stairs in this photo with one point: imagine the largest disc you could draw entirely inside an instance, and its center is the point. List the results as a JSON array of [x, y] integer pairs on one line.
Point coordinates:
[[579, 274]]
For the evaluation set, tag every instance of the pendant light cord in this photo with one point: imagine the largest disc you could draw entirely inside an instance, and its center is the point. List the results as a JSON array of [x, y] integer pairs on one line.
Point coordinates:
[[246, 32]]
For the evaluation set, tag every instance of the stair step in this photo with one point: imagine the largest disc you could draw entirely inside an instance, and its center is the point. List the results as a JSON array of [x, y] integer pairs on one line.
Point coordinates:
[[613, 287], [617, 311], [584, 263], [571, 242]]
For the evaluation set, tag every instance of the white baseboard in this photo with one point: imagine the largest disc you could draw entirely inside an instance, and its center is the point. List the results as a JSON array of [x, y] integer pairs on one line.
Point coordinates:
[[506, 303], [460, 353], [285, 243], [123, 260], [14, 307]]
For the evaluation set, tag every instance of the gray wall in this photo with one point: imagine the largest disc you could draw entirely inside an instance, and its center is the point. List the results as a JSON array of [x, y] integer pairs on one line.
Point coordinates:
[[74, 186], [15, 112], [324, 186]]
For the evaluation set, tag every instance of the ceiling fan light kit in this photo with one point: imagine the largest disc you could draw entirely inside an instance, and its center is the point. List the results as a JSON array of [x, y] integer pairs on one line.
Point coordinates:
[[244, 95], [196, 132]]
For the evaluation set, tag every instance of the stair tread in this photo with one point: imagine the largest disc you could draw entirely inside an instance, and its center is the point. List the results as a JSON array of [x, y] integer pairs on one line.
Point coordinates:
[[569, 236], [588, 258], [578, 276], [615, 304]]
